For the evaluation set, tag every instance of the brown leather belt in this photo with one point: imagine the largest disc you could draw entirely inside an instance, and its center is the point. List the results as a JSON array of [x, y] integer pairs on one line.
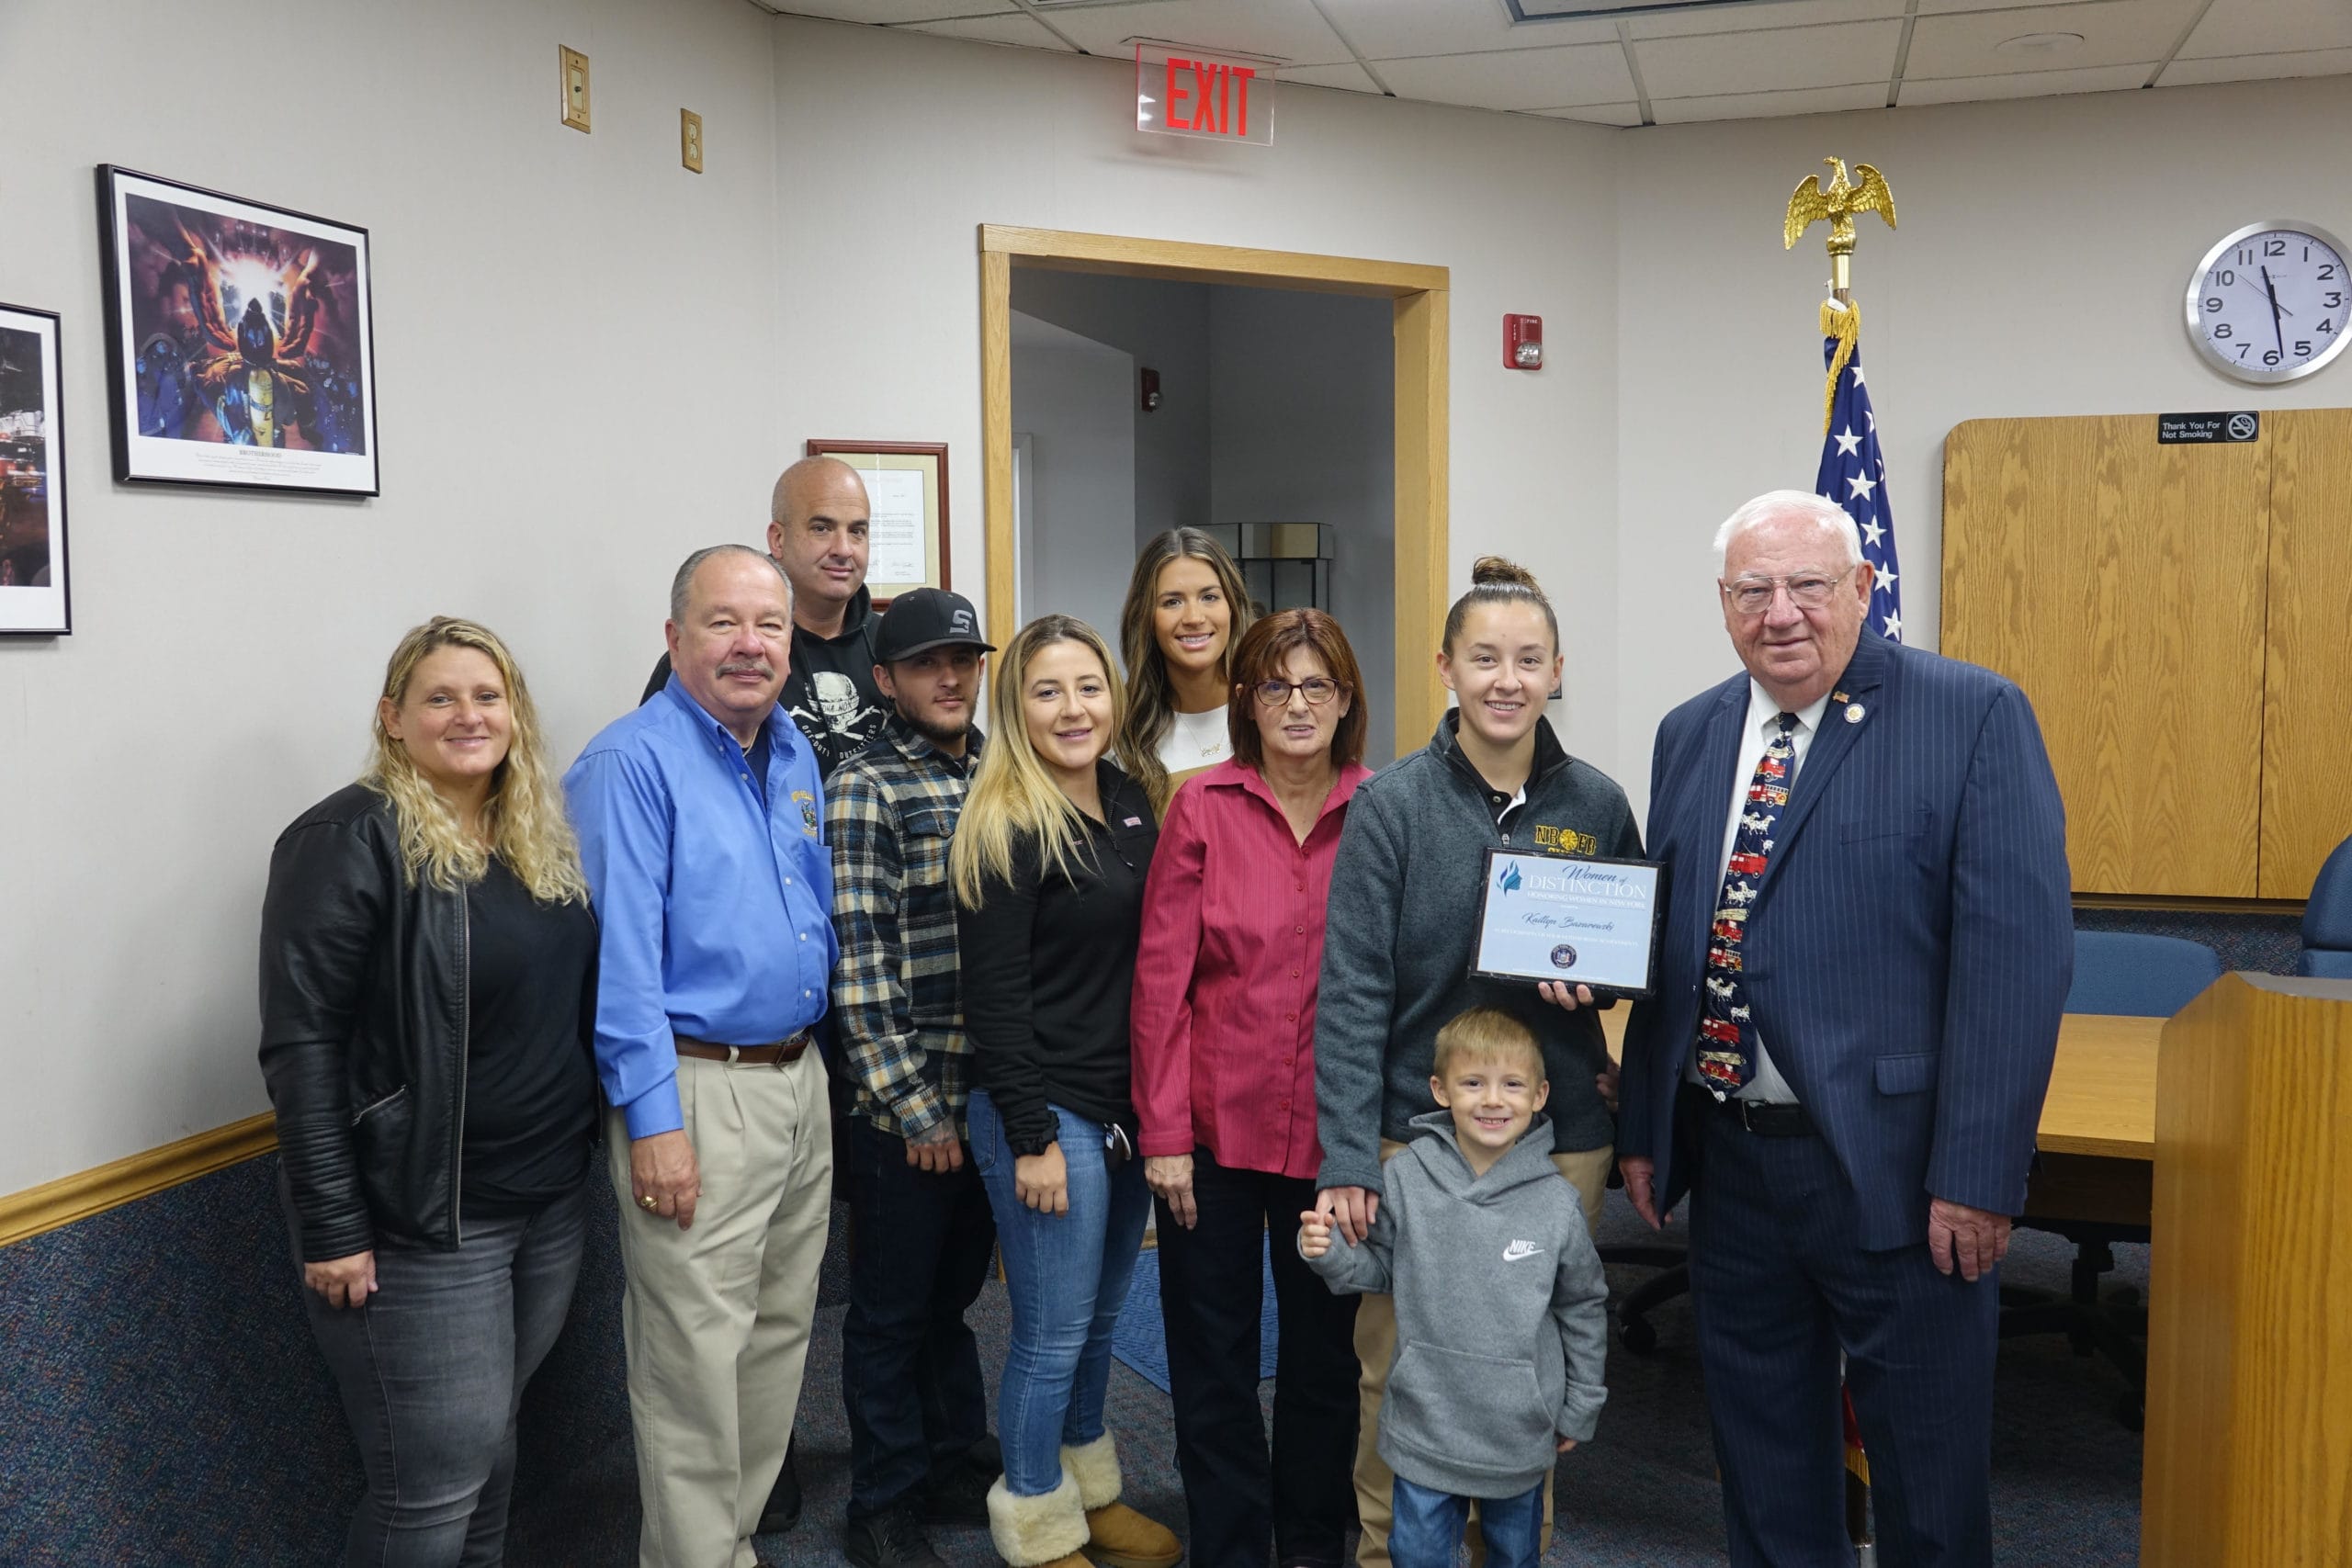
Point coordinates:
[[783, 1053]]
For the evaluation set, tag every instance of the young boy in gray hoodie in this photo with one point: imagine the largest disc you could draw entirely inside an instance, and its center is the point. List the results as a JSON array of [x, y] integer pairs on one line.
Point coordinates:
[[1501, 1307]]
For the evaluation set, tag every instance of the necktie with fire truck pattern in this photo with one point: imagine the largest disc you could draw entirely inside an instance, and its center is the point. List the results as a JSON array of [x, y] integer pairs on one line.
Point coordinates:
[[1727, 1026]]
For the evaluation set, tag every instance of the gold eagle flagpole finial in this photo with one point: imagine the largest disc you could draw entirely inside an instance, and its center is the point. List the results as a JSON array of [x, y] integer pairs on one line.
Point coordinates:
[[1840, 317], [1838, 204]]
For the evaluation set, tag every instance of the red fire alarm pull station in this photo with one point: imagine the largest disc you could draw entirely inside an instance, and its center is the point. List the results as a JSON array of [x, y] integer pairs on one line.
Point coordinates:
[[1523, 343]]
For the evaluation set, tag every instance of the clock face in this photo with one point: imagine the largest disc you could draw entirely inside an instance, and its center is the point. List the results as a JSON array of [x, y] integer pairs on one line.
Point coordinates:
[[2271, 302]]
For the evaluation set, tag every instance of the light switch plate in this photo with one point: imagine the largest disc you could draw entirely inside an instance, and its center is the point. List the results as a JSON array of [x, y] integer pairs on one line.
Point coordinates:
[[690, 140], [575, 87]]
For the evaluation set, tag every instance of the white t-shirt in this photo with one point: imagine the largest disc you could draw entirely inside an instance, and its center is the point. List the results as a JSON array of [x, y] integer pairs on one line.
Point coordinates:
[[1763, 719], [1195, 741]]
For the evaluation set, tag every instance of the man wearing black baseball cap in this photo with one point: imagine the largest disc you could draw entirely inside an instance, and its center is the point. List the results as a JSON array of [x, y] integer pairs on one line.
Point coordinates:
[[920, 1449]]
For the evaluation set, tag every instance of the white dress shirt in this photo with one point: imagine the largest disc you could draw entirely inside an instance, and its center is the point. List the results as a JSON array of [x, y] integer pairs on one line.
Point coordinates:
[[1763, 719]]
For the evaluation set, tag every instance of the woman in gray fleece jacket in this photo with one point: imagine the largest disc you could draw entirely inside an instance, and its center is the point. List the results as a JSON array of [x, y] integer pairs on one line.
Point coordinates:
[[1399, 929], [1501, 1306]]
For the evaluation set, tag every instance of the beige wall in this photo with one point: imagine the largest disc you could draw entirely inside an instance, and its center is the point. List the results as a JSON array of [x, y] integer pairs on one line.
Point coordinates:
[[591, 361], [2039, 269], [575, 342]]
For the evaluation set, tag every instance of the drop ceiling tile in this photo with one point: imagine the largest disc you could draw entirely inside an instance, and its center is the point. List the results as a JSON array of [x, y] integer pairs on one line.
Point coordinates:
[[2259, 67], [1597, 114], [2024, 84], [1349, 77], [1749, 19], [1394, 29], [1721, 65], [1516, 79], [2114, 32], [1759, 105], [2269, 27], [1289, 30], [1015, 29], [889, 11]]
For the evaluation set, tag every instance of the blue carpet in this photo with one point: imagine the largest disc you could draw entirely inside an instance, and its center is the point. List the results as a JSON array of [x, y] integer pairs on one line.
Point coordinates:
[[1141, 1340]]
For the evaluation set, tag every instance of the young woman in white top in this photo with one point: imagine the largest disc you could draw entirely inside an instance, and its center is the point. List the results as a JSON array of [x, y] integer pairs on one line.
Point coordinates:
[[1186, 608]]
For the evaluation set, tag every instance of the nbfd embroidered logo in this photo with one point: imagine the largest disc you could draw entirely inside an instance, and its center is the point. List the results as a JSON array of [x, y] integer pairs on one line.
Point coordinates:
[[807, 805], [1566, 840]]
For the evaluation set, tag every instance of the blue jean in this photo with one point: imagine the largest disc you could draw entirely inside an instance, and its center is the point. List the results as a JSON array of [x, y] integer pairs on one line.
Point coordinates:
[[1066, 1277], [1428, 1525], [432, 1371]]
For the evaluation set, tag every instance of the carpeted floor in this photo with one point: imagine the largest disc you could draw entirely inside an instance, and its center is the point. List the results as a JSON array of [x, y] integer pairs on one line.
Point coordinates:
[[1643, 1495]]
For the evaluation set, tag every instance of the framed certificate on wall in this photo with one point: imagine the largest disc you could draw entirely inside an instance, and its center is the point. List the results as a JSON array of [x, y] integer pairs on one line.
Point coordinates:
[[906, 488]]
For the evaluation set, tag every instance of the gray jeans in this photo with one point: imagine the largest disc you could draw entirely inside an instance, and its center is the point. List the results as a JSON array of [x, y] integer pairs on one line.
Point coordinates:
[[432, 1370]]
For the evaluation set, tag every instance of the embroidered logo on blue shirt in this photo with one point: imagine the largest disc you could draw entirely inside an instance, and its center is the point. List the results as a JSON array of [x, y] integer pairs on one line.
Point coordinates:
[[807, 804]]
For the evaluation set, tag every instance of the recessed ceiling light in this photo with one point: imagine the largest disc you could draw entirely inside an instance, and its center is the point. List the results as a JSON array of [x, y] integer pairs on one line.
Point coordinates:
[[2040, 45]]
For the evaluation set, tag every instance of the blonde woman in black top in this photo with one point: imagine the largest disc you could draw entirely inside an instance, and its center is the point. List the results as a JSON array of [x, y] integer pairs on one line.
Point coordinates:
[[1048, 863], [427, 970]]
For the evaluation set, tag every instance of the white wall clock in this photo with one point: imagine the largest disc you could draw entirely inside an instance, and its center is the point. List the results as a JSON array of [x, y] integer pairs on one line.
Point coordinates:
[[2271, 302]]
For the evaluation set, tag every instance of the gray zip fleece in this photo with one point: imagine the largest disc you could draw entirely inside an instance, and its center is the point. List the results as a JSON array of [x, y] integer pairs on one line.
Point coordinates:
[[1398, 931], [1502, 1322]]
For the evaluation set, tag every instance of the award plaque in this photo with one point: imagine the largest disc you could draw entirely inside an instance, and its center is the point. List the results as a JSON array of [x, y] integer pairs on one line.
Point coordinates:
[[1580, 921]]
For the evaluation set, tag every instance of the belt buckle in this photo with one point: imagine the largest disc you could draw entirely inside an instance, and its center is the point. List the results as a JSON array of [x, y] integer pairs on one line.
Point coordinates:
[[1746, 1119]]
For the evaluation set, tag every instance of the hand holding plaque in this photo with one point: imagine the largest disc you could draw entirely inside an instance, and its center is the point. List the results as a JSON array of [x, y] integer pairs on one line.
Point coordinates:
[[1574, 920]]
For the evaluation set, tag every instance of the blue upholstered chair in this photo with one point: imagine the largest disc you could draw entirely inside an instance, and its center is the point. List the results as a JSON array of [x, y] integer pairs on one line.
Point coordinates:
[[2143, 976], [2327, 920]]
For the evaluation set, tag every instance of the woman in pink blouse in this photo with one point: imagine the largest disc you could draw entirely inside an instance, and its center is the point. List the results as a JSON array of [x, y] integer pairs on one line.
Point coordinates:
[[1224, 1032]]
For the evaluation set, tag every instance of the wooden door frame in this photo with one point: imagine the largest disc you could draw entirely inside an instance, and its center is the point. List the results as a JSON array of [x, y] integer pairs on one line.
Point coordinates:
[[1417, 296]]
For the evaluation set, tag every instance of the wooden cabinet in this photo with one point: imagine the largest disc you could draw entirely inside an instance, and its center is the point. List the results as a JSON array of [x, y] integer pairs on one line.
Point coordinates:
[[2180, 615]]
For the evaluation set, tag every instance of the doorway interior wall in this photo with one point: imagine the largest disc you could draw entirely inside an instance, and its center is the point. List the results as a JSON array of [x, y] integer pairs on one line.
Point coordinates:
[[1417, 298]]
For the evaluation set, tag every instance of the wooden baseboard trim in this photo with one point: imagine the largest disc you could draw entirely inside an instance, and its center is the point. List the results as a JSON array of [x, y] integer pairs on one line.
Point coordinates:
[[38, 1210]]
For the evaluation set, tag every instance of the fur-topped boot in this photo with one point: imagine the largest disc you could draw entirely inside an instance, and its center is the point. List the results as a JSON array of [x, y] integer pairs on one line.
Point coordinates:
[[1116, 1536], [1043, 1531]]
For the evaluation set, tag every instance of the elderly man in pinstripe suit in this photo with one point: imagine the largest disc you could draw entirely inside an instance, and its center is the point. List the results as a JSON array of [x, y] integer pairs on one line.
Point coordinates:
[[1867, 946]]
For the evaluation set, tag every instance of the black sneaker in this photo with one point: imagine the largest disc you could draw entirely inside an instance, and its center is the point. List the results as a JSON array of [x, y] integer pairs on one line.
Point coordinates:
[[891, 1538], [959, 1495], [783, 1510]]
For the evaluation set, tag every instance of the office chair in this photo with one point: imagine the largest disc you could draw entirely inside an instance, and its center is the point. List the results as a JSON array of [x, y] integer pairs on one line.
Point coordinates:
[[2141, 976], [2327, 920]]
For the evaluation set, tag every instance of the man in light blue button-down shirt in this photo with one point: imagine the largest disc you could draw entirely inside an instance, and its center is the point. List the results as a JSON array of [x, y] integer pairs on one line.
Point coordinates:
[[701, 829]]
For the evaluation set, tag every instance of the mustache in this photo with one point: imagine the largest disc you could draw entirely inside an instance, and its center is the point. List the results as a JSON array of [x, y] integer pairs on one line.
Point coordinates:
[[758, 666]]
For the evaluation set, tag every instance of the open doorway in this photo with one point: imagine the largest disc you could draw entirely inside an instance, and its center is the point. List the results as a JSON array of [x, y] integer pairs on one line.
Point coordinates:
[[1294, 388], [1274, 408]]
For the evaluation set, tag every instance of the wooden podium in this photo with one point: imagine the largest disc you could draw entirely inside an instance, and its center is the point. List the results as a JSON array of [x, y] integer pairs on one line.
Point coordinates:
[[2249, 1444]]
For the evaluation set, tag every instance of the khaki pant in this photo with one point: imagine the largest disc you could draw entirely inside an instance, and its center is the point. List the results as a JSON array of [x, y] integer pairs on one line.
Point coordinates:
[[715, 1319], [1588, 1171]]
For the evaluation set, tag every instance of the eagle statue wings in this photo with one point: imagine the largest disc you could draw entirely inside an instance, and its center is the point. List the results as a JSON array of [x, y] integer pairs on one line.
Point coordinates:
[[1838, 204]]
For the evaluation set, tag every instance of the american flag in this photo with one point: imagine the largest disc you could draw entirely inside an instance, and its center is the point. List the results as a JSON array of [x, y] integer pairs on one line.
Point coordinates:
[[1853, 474]]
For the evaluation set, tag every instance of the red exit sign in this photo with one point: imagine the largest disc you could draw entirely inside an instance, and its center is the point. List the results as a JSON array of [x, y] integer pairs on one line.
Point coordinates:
[[1184, 92]]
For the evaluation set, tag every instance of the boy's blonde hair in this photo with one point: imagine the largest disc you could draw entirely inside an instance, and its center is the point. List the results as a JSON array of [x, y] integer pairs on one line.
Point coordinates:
[[1486, 1034]]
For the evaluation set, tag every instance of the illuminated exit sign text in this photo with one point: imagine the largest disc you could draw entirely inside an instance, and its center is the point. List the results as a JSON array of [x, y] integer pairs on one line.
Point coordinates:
[[1183, 92]]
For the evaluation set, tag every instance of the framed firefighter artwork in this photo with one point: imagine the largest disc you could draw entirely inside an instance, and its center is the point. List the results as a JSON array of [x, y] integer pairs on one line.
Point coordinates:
[[238, 341]]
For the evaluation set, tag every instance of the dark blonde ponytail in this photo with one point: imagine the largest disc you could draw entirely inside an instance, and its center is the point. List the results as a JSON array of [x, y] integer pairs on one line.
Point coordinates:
[[1495, 581]]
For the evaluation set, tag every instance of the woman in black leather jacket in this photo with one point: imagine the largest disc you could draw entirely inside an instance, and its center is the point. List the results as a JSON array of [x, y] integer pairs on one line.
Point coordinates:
[[427, 980]]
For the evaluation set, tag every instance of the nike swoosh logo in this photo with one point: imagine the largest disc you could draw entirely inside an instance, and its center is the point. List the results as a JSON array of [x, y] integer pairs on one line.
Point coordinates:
[[1518, 1250]]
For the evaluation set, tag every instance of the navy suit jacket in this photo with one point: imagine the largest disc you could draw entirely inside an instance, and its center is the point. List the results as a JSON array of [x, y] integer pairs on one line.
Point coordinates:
[[1910, 945]]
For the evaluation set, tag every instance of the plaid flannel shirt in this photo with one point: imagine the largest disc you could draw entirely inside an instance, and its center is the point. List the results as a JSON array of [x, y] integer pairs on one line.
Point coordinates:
[[897, 1002]]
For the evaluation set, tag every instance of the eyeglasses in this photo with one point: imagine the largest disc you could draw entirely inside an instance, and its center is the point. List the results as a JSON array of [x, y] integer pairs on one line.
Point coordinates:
[[1316, 689], [1810, 591]]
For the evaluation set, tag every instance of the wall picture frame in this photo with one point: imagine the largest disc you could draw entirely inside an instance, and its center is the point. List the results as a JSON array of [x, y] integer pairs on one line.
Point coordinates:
[[905, 487], [240, 340], [36, 586]]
